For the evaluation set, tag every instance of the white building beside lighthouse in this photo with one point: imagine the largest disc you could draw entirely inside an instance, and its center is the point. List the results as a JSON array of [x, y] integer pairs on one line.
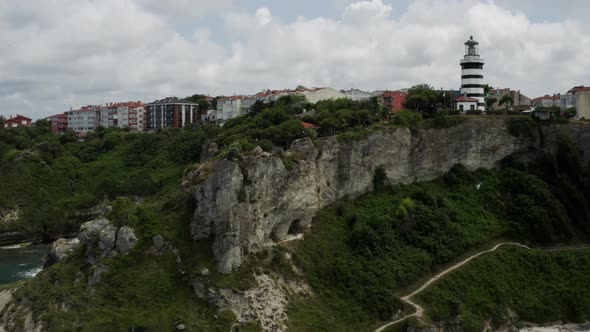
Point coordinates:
[[472, 78]]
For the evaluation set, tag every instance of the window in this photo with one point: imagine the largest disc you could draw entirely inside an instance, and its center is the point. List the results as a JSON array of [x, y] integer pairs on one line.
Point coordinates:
[[461, 108], [472, 107]]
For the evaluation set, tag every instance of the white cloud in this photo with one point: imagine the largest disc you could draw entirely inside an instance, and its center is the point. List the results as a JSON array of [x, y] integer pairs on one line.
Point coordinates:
[[70, 53], [364, 11], [185, 8]]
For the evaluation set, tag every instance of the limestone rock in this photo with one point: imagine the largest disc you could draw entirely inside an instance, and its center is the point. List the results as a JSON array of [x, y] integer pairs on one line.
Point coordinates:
[[105, 240], [89, 230], [126, 240], [60, 249], [97, 272], [253, 203]]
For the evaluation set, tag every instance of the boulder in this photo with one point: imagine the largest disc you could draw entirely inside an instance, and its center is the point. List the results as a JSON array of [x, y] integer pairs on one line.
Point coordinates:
[[89, 230], [102, 239], [126, 240], [60, 249]]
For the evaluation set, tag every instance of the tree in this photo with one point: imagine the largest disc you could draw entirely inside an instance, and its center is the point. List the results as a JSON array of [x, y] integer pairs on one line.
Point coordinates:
[[2, 121], [421, 97], [124, 212], [505, 100], [42, 127], [490, 102]]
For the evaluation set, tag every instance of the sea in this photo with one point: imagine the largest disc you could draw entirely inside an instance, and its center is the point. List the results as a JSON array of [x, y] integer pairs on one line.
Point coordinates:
[[19, 262]]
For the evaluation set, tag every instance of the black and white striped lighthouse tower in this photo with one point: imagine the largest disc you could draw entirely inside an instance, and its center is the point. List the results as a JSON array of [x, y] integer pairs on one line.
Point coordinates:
[[472, 73]]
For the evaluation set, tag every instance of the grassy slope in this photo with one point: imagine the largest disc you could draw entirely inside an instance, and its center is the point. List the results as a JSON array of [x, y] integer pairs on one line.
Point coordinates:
[[149, 293], [360, 256], [538, 286]]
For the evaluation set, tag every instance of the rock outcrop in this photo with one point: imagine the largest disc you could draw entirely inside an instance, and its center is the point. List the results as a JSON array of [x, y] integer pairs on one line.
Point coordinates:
[[252, 203], [105, 240], [60, 249]]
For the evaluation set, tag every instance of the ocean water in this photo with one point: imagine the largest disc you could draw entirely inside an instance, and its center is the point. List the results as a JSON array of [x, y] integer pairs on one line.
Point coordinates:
[[18, 263]]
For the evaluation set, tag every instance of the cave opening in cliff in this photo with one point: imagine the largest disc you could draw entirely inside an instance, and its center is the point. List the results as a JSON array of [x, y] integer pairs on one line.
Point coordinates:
[[295, 228]]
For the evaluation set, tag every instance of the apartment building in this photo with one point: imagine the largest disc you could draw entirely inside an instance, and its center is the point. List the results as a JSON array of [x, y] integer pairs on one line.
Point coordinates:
[[85, 119], [171, 112], [59, 122], [124, 115]]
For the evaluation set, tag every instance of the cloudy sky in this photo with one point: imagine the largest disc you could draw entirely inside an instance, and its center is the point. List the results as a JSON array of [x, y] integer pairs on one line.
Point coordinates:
[[58, 54]]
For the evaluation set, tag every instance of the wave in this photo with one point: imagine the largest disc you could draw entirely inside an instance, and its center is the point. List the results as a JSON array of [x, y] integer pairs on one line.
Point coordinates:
[[16, 246], [29, 273]]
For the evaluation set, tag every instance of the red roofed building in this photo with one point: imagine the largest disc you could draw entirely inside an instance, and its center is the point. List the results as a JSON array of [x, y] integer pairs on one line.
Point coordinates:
[[59, 123], [465, 103], [392, 100], [17, 121], [546, 101], [124, 115], [308, 125]]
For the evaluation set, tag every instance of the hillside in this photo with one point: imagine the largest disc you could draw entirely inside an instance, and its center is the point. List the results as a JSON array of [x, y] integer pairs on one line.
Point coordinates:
[[322, 236]]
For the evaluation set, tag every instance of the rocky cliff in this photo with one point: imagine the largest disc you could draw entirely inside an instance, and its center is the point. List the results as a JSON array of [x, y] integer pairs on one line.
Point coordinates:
[[262, 198]]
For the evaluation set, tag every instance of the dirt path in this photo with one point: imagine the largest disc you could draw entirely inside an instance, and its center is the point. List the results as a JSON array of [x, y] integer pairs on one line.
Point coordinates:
[[420, 311]]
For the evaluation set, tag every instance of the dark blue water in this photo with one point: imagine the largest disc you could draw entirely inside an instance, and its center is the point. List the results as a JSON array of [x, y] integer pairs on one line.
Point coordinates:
[[21, 263]]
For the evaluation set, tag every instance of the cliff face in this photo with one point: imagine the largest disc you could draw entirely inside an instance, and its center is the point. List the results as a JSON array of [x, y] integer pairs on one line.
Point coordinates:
[[249, 204]]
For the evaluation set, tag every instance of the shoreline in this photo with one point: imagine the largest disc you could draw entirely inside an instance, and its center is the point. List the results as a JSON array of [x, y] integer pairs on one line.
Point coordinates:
[[13, 240]]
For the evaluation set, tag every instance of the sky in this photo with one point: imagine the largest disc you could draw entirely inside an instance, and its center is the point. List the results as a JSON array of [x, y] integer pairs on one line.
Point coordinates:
[[62, 54]]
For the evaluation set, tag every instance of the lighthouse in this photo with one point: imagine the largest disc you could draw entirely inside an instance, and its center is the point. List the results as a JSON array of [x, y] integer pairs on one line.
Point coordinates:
[[472, 74]]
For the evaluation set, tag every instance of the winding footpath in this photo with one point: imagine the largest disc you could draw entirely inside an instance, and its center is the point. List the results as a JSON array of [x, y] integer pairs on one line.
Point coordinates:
[[420, 311]]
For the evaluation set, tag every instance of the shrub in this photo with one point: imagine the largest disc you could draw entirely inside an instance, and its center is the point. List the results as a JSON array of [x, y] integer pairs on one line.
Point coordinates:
[[495, 112], [408, 119], [473, 112], [522, 126]]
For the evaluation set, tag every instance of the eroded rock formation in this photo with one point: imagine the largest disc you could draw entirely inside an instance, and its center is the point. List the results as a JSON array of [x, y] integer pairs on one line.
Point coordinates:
[[251, 203]]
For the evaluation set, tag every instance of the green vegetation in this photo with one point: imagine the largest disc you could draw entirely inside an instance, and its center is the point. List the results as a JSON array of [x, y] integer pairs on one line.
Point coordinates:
[[424, 98], [362, 255], [415, 120], [54, 179], [359, 257], [523, 126], [537, 286]]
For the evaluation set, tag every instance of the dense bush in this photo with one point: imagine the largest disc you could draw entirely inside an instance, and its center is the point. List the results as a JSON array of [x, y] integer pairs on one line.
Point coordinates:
[[52, 177], [473, 112], [522, 126], [408, 119]]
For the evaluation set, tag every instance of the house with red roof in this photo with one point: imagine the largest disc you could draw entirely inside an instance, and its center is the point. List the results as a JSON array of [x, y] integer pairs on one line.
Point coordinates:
[[59, 122], [17, 121], [308, 125], [393, 101], [464, 103]]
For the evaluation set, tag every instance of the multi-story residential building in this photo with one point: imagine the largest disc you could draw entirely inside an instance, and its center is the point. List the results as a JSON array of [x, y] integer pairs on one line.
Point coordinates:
[[393, 101], [231, 107], [59, 123], [171, 112], [85, 119], [315, 95], [124, 115], [17, 121], [356, 94], [546, 101], [518, 100], [582, 102]]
